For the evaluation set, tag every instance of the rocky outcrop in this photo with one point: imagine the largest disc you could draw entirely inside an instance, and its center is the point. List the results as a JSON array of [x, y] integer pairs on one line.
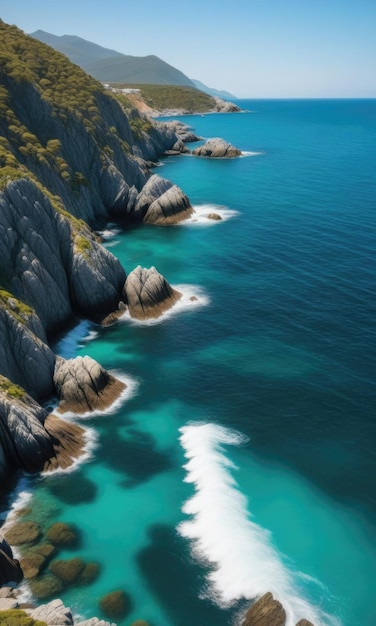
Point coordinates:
[[224, 106], [10, 569], [148, 294], [83, 385], [265, 612], [160, 202], [304, 622], [217, 148]]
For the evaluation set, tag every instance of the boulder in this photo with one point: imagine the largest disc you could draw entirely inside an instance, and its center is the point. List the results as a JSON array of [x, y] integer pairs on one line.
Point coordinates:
[[160, 202], [214, 216], [62, 535], [217, 148], [304, 622], [23, 533], [68, 440], [265, 612], [83, 385], [148, 294], [116, 604], [54, 614], [45, 586]]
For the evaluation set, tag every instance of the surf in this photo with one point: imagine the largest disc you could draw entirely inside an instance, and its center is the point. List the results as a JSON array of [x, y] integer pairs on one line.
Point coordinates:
[[244, 563]]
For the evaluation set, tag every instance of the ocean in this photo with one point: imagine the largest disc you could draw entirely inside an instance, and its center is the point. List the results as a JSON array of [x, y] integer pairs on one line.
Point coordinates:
[[242, 459]]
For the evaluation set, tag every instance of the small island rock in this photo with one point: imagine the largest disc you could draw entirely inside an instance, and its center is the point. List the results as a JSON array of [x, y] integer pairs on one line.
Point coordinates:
[[148, 293], [217, 148], [265, 612]]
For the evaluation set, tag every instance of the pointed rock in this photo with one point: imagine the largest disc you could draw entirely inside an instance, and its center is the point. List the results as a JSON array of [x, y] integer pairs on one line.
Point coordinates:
[[83, 385], [265, 612], [148, 294]]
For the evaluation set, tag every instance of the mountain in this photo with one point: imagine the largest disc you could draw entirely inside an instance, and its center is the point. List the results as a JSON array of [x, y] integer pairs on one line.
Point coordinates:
[[217, 93], [108, 65]]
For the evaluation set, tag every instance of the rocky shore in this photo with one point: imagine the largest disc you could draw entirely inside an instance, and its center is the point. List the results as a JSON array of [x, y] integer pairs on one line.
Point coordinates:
[[67, 169]]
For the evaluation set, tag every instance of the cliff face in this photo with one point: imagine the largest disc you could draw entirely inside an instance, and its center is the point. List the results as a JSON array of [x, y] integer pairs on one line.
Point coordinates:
[[71, 159]]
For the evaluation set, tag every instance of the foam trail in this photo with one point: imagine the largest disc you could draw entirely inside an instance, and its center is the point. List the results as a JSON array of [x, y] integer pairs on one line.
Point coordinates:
[[245, 563], [200, 216]]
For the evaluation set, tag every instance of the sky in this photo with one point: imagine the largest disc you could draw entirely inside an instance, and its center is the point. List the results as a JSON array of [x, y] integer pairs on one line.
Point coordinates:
[[251, 48]]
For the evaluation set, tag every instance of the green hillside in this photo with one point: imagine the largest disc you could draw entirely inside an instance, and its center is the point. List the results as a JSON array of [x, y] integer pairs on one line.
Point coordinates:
[[162, 97], [110, 66]]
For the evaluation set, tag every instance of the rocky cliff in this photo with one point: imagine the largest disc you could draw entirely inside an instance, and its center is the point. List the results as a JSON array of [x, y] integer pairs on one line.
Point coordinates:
[[71, 159]]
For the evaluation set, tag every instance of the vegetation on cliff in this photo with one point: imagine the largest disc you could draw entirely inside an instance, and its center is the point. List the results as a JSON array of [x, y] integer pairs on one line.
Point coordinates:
[[163, 97]]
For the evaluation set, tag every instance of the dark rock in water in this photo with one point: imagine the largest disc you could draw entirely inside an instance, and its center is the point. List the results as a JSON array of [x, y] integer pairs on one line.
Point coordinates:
[[214, 216], [83, 385], [116, 604], [45, 586], [148, 293], [74, 571], [160, 202], [140, 622], [10, 569], [304, 622], [23, 532], [265, 612], [62, 535], [217, 148], [35, 559]]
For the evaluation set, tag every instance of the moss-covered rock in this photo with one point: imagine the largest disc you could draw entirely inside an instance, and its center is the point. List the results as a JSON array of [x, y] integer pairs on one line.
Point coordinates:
[[45, 586], [116, 604], [89, 574], [61, 534], [68, 571], [23, 533], [140, 622]]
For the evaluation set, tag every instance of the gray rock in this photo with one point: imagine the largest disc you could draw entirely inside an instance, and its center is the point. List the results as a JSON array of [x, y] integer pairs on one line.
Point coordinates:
[[83, 385], [148, 294], [171, 207], [54, 614], [7, 604], [24, 442], [217, 148], [10, 570], [161, 202]]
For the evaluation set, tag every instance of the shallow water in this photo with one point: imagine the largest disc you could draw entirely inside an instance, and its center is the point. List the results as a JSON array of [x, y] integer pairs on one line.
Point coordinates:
[[274, 363]]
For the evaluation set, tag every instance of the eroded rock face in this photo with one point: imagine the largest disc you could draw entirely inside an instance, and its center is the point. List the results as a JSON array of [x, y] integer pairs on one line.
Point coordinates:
[[217, 148], [10, 570], [83, 385], [161, 202], [265, 612], [304, 622], [52, 613], [24, 442], [148, 294]]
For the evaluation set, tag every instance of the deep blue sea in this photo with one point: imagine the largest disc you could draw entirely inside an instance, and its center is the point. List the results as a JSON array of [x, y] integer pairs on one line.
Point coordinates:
[[243, 458]]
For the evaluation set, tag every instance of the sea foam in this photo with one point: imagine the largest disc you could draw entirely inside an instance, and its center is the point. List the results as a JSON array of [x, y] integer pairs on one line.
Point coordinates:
[[244, 562], [200, 216]]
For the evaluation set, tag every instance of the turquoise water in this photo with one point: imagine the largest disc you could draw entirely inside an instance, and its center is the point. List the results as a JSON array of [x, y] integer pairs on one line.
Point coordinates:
[[243, 459]]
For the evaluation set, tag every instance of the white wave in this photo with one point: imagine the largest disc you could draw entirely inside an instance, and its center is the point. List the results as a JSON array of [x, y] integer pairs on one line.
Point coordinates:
[[249, 153], [130, 390], [245, 563], [19, 500], [200, 216], [192, 297]]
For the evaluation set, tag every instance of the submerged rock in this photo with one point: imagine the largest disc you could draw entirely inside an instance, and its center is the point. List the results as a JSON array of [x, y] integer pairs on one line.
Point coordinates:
[[265, 612], [83, 385], [148, 293], [116, 604], [62, 535], [217, 148]]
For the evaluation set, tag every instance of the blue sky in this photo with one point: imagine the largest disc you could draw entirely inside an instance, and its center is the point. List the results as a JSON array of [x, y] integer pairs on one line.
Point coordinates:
[[252, 48]]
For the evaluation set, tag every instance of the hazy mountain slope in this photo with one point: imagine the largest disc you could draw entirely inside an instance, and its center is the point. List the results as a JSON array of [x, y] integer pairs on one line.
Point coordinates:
[[78, 50], [110, 66], [213, 92]]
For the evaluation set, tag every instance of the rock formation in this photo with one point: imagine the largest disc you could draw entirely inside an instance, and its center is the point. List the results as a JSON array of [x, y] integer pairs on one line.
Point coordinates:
[[265, 612], [83, 385], [10, 570], [148, 294], [217, 148], [160, 202]]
